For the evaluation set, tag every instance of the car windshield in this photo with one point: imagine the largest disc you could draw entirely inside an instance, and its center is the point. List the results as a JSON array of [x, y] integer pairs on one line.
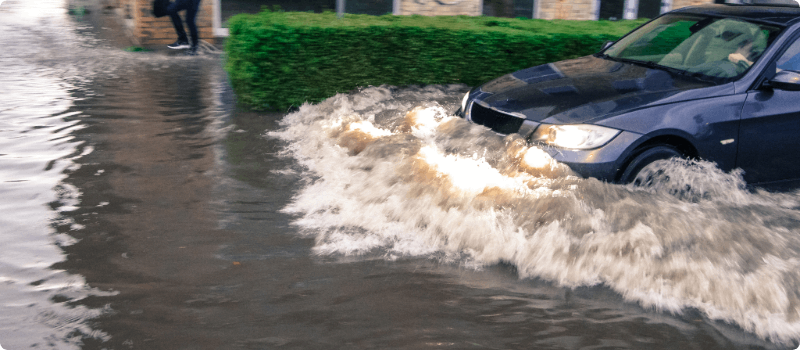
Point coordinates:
[[717, 48]]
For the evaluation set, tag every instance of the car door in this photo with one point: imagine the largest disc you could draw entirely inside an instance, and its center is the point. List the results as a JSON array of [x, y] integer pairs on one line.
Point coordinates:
[[769, 135]]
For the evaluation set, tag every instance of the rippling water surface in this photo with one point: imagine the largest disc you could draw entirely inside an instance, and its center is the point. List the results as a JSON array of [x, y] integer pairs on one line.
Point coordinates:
[[37, 120], [143, 209]]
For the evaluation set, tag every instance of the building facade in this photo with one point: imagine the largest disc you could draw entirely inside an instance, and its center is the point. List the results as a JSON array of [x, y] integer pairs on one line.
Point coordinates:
[[607, 9], [145, 29]]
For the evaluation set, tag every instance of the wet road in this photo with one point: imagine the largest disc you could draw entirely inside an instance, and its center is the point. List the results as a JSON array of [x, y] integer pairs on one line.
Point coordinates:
[[143, 209]]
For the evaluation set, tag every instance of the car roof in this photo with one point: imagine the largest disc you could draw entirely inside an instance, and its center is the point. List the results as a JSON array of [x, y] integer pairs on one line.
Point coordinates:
[[780, 15]]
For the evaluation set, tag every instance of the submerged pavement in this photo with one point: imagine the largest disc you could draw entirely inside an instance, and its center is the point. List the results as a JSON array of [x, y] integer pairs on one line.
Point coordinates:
[[143, 209]]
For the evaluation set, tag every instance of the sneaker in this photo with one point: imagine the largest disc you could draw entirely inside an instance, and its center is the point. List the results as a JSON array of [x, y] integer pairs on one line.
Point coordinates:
[[179, 45], [192, 51]]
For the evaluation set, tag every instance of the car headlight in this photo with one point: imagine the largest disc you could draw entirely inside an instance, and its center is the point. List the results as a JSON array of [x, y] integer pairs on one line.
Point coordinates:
[[464, 103], [580, 136]]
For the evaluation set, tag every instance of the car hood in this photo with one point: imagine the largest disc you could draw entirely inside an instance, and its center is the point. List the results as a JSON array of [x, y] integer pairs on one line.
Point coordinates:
[[586, 89]]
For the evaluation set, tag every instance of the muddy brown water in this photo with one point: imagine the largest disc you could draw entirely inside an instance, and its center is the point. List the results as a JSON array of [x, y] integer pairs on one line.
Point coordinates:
[[143, 209]]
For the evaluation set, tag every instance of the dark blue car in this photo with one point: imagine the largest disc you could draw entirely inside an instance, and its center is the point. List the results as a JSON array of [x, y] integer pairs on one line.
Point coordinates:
[[713, 82]]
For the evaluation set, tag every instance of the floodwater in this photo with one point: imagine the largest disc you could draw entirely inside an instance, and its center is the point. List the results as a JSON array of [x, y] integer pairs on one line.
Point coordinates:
[[143, 209]]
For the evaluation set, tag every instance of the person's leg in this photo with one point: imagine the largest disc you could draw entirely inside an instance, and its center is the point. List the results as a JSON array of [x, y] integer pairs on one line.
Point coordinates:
[[191, 16], [172, 11]]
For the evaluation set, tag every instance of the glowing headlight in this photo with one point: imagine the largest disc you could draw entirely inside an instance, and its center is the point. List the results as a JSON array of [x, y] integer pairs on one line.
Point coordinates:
[[464, 103], [581, 136]]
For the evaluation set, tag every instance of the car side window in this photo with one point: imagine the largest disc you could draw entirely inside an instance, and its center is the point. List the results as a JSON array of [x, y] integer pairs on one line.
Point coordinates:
[[790, 60]]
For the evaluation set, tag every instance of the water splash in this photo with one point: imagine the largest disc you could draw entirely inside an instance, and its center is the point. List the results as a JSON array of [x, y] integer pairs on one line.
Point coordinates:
[[393, 172]]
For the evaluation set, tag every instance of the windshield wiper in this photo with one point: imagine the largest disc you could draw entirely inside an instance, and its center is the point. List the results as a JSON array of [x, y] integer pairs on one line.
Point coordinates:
[[647, 64], [650, 64]]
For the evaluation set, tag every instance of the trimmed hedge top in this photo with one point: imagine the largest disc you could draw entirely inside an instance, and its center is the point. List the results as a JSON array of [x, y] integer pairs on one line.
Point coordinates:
[[457, 23], [282, 59]]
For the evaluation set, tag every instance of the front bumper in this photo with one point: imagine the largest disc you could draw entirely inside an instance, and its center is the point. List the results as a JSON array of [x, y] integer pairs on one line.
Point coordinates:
[[603, 163]]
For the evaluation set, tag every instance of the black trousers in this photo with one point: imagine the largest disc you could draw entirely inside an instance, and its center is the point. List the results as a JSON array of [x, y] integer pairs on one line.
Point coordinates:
[[191, 7]]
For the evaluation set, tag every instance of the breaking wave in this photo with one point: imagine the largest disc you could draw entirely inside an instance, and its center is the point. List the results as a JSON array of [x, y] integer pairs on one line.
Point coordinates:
[[392, 172]]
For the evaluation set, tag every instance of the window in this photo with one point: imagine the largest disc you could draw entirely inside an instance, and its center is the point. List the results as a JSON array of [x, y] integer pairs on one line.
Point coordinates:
[[790, 60], [717, 48]]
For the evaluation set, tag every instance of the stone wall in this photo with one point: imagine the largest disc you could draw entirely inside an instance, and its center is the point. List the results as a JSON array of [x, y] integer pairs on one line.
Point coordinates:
[[547, 9], [676, 4], [567, 9], [441, 7], [141, 27], [587, 9]]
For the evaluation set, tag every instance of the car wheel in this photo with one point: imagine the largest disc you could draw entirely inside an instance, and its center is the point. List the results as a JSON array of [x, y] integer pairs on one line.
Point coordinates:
[[645, 158]]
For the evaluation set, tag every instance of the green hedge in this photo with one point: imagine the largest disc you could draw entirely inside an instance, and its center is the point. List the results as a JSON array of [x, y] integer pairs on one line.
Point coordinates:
[[282, 59]]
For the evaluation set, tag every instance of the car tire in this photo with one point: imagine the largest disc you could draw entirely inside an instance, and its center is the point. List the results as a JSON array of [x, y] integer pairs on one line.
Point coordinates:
[[645, 158]]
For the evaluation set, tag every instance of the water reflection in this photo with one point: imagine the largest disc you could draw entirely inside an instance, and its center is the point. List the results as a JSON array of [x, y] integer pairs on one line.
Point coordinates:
[[37, 120], [146, 229]]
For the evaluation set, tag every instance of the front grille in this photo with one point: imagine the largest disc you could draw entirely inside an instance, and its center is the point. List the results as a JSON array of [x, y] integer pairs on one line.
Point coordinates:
[[492, 119]]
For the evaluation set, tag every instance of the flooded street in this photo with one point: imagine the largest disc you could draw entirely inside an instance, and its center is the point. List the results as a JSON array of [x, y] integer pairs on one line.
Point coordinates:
[[143, 209]]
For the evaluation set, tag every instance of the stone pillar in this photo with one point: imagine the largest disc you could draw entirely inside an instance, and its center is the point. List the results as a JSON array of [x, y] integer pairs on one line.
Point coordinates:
[[440, 7], [631, 9], [595, 10], [666, 6]]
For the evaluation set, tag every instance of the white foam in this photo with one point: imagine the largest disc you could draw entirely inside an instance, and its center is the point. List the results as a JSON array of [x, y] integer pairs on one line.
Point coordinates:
[[421, 183]]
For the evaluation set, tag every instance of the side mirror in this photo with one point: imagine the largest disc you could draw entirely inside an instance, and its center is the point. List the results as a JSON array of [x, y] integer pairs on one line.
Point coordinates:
[[786, 80], [606, 45]]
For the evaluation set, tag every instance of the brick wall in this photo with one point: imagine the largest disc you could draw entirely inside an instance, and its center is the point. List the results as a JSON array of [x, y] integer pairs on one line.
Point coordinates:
[[441, 7], [676, 4], [585, 9], [147, 30], [566, 9]]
